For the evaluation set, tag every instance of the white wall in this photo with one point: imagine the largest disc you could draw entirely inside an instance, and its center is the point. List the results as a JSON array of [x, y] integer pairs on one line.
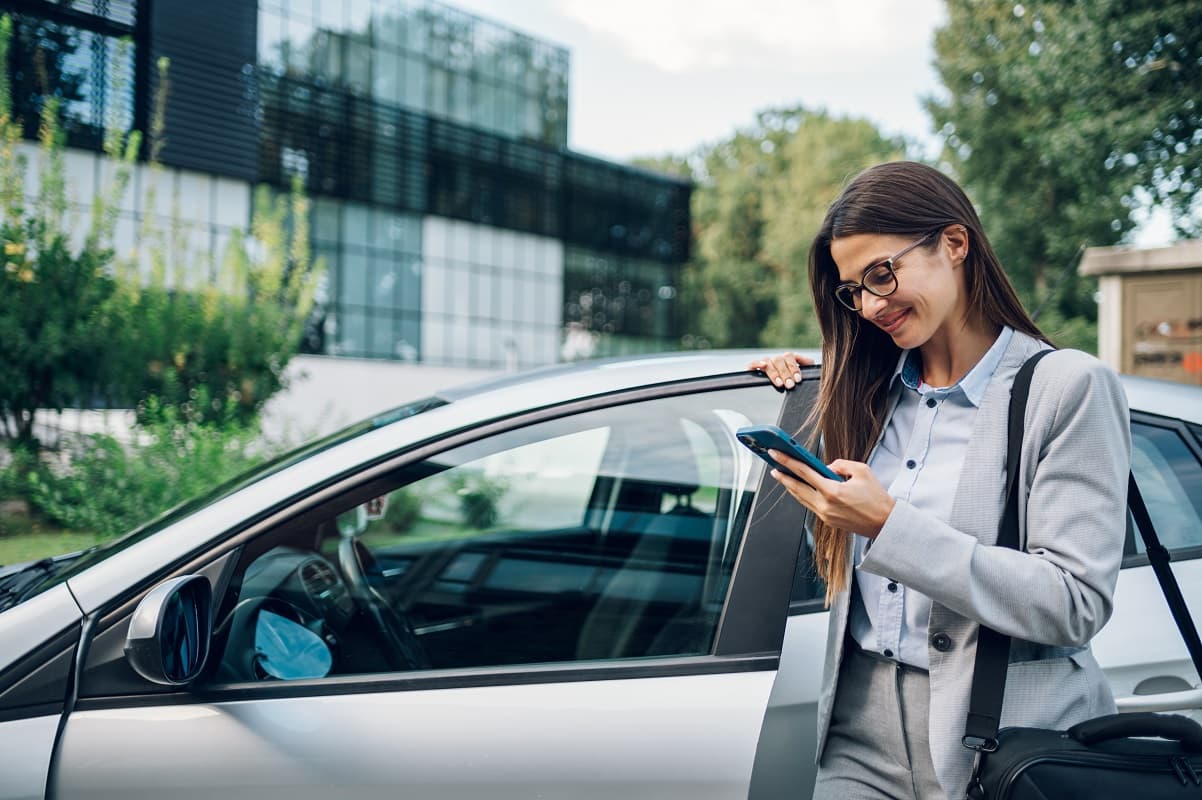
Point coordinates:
[[210, 207], [330, 392], [490, 296], [326, 393]]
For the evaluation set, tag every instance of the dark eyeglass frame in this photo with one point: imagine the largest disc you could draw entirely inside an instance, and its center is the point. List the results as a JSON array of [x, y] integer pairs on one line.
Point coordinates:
[[855, 290]]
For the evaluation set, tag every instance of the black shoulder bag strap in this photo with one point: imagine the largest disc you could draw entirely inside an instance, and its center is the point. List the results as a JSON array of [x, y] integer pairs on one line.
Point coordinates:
[[993, 648]]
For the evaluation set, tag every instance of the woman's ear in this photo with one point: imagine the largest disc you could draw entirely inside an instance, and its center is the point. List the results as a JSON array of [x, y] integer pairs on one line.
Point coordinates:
[[956, 243]]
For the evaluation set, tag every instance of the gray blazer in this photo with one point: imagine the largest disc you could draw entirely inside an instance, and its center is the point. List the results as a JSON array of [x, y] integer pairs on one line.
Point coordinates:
[[1054, 594]]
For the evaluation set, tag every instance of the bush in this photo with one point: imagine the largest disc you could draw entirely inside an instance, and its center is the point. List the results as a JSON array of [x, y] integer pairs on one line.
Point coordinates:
[[109, 488], [478, 498], [404, 509]]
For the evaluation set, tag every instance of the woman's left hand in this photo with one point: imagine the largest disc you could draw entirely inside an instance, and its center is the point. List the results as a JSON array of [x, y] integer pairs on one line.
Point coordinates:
[[859, 504]]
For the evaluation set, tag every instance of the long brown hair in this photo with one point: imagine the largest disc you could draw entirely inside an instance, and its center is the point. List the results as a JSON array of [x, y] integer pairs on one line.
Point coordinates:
[[858, 358]]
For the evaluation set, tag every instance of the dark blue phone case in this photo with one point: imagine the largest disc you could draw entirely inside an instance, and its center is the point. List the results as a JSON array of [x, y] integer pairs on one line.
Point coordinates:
[[759, 439]]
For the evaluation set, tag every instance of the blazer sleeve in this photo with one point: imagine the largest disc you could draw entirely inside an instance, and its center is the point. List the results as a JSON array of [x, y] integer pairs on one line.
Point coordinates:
[[1059, 591]]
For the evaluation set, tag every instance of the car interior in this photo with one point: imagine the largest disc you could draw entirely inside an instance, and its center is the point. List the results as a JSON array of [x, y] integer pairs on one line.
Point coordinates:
[[503, 565]]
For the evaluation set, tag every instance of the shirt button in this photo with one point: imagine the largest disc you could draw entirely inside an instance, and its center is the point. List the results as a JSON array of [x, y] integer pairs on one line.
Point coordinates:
[[930, 402], [941, 642], [888, 653], [911, 464], [892, 586]]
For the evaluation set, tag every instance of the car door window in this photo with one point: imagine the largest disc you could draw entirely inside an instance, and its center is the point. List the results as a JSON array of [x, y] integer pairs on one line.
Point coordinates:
[[607, 534], [1169, 476]]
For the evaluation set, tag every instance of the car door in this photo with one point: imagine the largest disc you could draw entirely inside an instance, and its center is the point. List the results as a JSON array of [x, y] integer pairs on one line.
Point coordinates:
[[1140, 648], [586, 601], [784, 760]]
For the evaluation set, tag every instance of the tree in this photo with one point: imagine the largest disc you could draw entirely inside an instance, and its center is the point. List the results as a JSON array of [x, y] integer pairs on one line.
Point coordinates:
[[55, 298], [1058, 118], [760, 199], [220, 348], [79, 321]]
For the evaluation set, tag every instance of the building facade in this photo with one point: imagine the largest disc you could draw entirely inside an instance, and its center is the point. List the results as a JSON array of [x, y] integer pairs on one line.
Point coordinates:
[[1150, 309], [455, 226]]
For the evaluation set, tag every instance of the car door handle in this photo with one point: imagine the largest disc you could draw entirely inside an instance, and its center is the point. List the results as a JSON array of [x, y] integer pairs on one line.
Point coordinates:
[[1166, 701]]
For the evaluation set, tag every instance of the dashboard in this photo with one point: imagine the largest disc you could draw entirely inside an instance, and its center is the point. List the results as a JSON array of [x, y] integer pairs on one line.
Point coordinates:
[[294, 618]]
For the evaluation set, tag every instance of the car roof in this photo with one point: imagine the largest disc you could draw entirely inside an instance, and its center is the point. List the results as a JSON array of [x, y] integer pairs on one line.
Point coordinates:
[[1164, 398], [547, 385], [561, 383]]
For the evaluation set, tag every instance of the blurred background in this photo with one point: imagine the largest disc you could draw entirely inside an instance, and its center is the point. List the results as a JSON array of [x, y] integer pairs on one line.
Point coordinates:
[[230, 226]]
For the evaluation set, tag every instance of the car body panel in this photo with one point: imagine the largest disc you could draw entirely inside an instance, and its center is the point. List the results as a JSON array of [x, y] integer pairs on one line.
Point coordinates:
[[680, 737], [785, 758], [25, 757], [1140, 649], [1164, 398], [27, 626]]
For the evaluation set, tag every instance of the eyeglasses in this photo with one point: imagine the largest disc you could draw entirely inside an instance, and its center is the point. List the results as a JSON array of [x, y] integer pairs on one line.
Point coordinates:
[[879, 278]]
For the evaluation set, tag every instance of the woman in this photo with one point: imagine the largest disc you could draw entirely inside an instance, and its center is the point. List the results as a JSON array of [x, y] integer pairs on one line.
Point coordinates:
[[922, 336]]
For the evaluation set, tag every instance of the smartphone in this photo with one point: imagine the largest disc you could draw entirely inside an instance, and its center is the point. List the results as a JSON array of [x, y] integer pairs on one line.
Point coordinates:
[[762, 438]]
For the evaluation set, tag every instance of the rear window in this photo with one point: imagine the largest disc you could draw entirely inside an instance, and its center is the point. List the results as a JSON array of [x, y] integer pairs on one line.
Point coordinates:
[[1169, 474]]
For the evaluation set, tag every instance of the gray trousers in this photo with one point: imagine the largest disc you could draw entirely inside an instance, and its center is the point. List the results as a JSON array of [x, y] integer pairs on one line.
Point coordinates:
[[878, 745]]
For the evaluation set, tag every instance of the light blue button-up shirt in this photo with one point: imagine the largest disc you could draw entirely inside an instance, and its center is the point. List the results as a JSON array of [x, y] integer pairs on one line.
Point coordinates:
[[918, 459]]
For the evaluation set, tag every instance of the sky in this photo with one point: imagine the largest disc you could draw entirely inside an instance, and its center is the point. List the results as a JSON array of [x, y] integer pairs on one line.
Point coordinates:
[[651, 77], [658, 77]]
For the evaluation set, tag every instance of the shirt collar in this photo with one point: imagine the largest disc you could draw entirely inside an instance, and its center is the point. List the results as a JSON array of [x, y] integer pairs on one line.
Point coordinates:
[[909, 368]]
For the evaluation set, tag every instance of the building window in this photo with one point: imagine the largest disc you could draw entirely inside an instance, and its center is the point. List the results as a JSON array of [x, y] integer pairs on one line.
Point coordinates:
[[617, 306], [425, 57], [90, 74]]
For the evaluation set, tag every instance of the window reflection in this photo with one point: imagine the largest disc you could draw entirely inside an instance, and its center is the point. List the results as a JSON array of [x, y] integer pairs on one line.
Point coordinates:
[[425, 57], [91, 75], [630, 302], [1170, 480]]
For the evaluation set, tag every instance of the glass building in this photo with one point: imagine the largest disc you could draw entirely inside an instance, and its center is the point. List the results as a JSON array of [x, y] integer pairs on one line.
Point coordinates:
[[456, 227]]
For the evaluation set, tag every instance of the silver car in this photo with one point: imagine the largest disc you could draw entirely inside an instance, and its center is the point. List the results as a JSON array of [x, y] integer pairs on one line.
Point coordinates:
[[568, 583]]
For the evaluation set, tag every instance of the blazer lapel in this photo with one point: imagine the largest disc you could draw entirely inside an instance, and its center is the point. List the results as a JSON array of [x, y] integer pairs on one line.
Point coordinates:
[[984, 469]]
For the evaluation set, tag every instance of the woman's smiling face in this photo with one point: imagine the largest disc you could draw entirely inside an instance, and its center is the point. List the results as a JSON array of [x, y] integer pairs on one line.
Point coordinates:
[[930, 293]]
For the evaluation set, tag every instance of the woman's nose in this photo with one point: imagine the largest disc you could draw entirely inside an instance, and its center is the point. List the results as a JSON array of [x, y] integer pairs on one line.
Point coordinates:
[[870, 304]]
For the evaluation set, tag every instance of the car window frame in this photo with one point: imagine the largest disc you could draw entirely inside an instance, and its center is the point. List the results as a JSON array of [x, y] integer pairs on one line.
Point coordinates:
[[795, 416], [1190, 439], [745, 617]]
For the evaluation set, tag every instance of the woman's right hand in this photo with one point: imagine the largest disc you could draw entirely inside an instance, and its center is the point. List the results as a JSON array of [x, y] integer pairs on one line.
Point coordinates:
[[783, 370]]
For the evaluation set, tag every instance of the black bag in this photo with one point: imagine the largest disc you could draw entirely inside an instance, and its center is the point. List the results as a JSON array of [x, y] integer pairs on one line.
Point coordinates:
[[1099, 758]]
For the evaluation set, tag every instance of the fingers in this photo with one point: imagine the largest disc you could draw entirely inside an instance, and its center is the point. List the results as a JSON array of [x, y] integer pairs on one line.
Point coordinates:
[[783, 370], [847, 469], [814, 481], [804, 494]]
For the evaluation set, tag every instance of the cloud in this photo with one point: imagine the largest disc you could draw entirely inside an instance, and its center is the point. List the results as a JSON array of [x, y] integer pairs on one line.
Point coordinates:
[[680, 36]]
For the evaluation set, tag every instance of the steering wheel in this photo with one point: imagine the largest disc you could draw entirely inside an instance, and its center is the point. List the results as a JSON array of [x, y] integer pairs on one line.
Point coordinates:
[[363, 575]]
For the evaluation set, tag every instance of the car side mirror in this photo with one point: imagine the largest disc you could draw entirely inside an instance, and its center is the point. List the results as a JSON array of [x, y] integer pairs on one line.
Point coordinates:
[[168, 638]]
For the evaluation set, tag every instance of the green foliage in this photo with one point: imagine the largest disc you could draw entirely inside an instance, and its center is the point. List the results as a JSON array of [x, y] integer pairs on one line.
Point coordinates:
[[108, 488], [26, 540], [56, 300], [478, 497], [231, 338], [1057, 116], [56, 314], [760, 199], [81, 322], [196, 351], [404, 510]]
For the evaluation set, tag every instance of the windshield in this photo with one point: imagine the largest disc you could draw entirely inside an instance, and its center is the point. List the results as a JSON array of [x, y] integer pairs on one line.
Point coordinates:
[[22, 581]]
